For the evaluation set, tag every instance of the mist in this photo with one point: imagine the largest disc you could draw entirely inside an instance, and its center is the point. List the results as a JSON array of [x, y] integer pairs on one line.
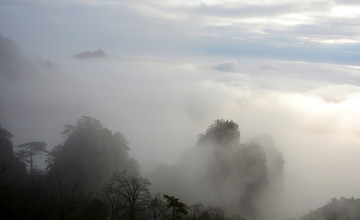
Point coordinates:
[[162, 89], [162, 104]]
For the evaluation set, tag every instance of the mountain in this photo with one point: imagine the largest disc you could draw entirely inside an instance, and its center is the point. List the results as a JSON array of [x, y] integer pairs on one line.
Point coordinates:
[[11, 62], [221, 171], [90, 54], [12, 171], [336, 209]]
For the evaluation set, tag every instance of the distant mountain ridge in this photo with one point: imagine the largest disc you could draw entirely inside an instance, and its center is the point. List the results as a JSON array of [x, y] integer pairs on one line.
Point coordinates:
[[12, 63], [336, 209], [90, 54]]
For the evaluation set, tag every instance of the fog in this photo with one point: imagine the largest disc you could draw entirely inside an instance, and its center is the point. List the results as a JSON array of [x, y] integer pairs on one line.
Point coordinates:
[[287, 73], [161, 105]]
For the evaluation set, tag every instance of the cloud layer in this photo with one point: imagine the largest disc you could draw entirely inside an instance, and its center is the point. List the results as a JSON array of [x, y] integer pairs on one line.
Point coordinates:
[[307, 30], [162, 104], [176, 66]]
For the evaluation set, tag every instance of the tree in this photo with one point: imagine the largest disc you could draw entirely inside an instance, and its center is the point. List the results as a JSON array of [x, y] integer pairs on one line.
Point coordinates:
[[52, 155], [215, 213], [11, 169], [177, 207], [5, 133], [96, 209], [5, 149], [158, 208], [222, 133], [68, 130], [90, 156], [86, 122], [5, 144], [128, 196], [194, 211], [199, 212], [29, 150]]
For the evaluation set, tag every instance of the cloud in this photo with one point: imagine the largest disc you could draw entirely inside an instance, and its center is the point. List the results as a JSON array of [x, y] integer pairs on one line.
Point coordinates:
[[310, 109], [176, 66], [347, 2], [267, 29]]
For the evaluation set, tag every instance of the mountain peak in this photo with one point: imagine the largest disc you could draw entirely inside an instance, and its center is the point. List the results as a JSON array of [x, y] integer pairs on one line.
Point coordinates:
[[90, 54]]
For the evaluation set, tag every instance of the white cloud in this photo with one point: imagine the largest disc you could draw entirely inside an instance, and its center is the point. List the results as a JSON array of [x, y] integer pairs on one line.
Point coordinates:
[[148, 27], [163, 103], [153, 79], [340, 11]]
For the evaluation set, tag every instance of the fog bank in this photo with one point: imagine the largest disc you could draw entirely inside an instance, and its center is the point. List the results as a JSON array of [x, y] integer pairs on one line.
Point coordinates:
[[161, 104]]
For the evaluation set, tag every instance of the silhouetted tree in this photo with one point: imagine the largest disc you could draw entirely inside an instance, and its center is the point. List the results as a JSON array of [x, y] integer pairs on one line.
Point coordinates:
[[178, 208], [194, 211], [5, 144], [86, 122], [128, 196], [68, 130], [29, 150], [222, 133], [96, 209], [158, 208], [90, 156], [215, 213], [11, 169], [52, 155], [199, 212], [5, 149], [5, 133]]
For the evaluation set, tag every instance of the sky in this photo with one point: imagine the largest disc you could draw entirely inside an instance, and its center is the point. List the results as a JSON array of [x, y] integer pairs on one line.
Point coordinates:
[[312, 30], [285, 68]]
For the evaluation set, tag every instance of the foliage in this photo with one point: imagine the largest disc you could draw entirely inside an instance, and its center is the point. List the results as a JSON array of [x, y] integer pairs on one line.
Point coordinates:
[[92, 176], [28, 150], [5, 133], [52, 155], [159, 209], [221, 133], [90, 156], [12, 171], [127, 196], [31, 202], [178, 208], [336, 209], [96, 209], [68, 130], [5, 144], [220, 170]]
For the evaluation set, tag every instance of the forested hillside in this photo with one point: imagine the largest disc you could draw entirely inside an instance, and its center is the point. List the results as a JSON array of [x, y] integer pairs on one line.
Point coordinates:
[[336, 209], [92, 176]]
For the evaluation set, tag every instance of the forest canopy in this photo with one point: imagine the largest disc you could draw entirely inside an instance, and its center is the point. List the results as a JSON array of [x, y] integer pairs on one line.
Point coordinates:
[[93, 168], [92, 175]]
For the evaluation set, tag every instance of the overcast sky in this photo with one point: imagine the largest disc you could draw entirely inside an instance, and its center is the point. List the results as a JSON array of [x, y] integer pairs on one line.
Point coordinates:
[[286, 68], [321, 30]]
